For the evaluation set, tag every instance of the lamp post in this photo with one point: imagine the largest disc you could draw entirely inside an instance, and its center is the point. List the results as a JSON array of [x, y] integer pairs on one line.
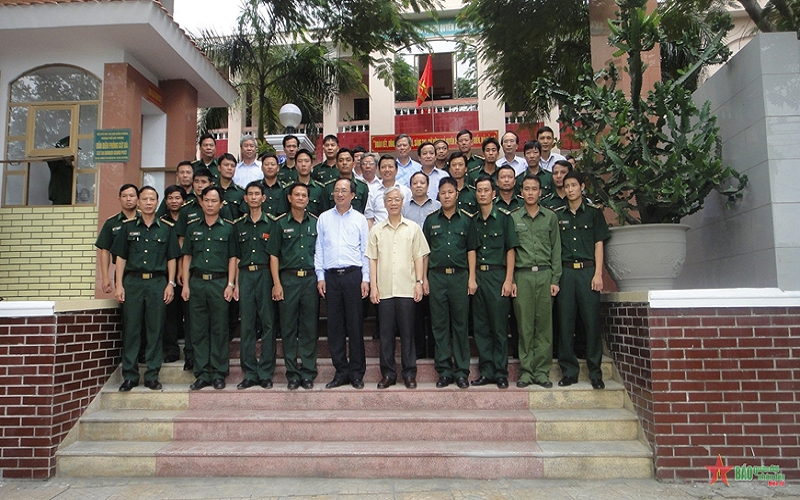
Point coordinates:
[[290, 116]]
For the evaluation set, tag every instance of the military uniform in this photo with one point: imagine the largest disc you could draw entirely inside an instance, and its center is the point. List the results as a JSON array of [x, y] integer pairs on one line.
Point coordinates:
[[275, 202], [173, 323], [360, 200], [467, 200], [146, 251], [545, 182], [554, 201], [191, 211], [323, 173], [495, 237], [474, 162], [213, 167], [107, 234], [515, 203], [317, 202], [293, 244], [579, 233], [537, 266], [211, 248], [287, 175], [472, 176], [448, 273], [234, 199], [255, 297]]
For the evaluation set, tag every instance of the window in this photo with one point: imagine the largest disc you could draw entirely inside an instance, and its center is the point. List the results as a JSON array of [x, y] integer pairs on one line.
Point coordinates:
[[49, 159]]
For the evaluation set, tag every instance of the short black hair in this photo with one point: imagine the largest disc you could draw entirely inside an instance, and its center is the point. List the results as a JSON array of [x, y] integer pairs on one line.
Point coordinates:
[[227, 156], [448, 180], [544, 129], [532, 145], [426, 143], [458, 154], [295, 185], [530, 177], [289, 138], [506, 166], [330, 137], [420, 172], [484, 178], [306, 152], [345, 150], [358, 149], [203, 172], [182, 163], [462, 132], [174, 189], [204, 137], [255, 184], [350, 183], [490, 140], [212, 188], [148, 188], [574, 174], [125, 187], [564, 163], [268, 154], [387, 158]]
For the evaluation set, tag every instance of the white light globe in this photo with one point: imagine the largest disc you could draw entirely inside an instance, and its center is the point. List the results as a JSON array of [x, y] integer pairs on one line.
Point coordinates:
[[290, 116]]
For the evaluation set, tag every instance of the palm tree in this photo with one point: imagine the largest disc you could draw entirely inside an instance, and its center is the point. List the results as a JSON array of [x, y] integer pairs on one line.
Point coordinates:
[[268, 66]]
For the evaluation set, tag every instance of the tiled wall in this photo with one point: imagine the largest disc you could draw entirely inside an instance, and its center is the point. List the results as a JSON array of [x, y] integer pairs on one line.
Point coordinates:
[[47, 253], [50, 370], [711, 382]]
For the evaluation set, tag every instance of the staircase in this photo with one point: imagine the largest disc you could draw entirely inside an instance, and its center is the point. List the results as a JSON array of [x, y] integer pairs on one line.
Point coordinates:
[[478, 433]]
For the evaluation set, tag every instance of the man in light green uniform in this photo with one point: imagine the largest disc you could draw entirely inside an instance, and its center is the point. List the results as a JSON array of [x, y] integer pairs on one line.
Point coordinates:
[[146, 249], [537, 271]]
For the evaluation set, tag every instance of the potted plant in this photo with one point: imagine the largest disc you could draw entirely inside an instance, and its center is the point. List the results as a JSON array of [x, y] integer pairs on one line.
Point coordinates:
[[651, 159]]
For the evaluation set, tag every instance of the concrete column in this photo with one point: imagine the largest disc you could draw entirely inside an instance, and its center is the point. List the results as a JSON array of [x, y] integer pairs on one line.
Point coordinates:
[[180, 105], [330, 118], [381, 106], [235, 115], [491, 113]]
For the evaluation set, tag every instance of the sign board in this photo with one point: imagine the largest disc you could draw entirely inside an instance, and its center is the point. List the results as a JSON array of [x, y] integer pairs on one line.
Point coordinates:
[[385, 143], [112, 145]]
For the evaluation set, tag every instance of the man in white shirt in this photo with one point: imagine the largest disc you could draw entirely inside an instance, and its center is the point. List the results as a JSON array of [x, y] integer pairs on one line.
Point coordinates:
[[406, 166], [510, 143], [427, 158], [369, 171], [376, 209], [248, 169], [547, 139]]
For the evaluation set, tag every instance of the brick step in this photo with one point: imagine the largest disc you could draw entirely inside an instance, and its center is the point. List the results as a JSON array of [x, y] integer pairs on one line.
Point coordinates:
[[178, 397], [360, 425], [173, 373], [365, 459]]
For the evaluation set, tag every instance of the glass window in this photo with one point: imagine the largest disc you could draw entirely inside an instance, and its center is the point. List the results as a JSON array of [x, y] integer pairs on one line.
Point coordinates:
[[56, 150]]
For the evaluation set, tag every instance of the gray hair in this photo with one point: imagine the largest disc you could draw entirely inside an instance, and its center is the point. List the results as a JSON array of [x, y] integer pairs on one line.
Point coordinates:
[[247, 137], [393, 189], [374, 157]]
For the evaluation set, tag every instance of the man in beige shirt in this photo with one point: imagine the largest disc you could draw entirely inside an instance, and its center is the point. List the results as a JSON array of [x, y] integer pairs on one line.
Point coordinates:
[[396, 250]]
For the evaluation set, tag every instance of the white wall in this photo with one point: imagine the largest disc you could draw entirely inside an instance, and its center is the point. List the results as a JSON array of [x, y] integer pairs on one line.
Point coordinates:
[[756, 97]]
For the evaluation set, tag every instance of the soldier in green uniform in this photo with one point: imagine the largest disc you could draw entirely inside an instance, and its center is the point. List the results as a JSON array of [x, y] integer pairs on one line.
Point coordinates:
[[466, 193], [449, 281], [465, 143], [291, 248], [254, 291], [208, 156], [537, 264], [491, 152], [146, 249], [496, 241], [192, 209], [232, 194], [183, 178], [533, 151], [442, 153], [274, 196], [317, 203], [209, 254], [583, 233], [345, 163], [173, 327], [507, 198], [287, 173], [558, 198], [326, 171], [128, 198]]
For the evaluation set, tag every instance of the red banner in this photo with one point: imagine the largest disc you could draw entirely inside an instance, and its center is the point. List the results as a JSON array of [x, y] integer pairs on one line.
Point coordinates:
[[385, 143], [425, 82]]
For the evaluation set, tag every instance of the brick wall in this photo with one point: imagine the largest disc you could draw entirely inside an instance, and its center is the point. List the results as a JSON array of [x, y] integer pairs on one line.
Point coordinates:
[[711, 381], [47, 253], [50, 370]]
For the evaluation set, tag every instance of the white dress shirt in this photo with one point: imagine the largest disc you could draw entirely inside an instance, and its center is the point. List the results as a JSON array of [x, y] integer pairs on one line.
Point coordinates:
[[245, 174], [341, 242]]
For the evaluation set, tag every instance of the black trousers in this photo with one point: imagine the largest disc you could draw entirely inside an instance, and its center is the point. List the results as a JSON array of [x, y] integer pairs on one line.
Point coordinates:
[[345, 321], [397, 317]]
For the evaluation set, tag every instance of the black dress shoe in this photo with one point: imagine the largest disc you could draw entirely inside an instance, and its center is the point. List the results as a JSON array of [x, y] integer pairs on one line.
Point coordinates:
[[502, 383], [357, 383], [219, 383], [567, 381], [522, 384], [153, 385], [306, 384], [246, 384], [128, 385], [443, 382], [266, 384], [293, 384], [597, 383], [188, 365], [481, 381], [171, 358], [386, 382], [546, 384], [335, 383], [411, 382], [462, 383], [199, 384]]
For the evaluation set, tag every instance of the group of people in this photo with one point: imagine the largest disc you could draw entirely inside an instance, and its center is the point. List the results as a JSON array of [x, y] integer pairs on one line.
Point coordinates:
[[506, 241]]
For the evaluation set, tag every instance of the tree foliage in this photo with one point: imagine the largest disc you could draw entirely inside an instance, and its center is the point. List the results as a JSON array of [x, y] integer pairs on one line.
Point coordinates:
[[405, 80], [264, 65]]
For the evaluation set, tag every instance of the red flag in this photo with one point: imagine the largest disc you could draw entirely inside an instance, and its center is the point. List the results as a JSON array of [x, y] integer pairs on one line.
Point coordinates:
[[425, 82]]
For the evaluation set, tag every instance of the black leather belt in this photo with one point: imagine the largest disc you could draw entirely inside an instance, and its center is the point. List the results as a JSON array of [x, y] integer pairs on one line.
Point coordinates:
[[534, 268], [578, 265], [487, 267], [209, 276], [145, 276], [447, 270], [300, 273], [254, 267], [341, 271]]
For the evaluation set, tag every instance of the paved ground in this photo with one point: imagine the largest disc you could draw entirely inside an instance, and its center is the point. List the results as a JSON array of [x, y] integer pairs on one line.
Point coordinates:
[[353, 489]]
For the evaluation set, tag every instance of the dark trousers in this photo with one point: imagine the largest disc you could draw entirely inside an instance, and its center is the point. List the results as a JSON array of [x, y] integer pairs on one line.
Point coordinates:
[[490, 316], [345, 322], [299, 312], [258, 309], [143, 308], [576, 298], [209, 328], [397, 318], [423, 338], [173, 325], [449, 313]]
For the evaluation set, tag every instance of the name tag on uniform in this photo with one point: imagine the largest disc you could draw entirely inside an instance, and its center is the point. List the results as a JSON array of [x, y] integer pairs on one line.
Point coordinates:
[[289, 230], [243, 233], [197, 233], [115, 229], [137, 233], [564, 222], [436, 226]]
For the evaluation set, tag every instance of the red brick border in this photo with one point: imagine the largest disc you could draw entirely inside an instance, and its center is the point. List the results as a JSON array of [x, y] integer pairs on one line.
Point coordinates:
[[711, 381], [50, 370]]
